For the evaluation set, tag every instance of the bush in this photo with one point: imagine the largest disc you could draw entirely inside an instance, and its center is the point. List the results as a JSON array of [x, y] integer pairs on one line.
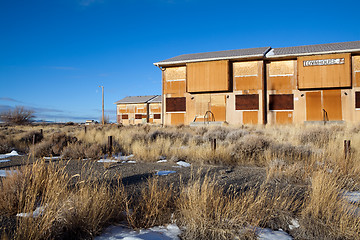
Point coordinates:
[[19, 115]]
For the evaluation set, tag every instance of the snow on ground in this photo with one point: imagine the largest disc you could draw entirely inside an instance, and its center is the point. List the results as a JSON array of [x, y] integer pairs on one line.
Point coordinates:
[[4, 161], [168, 232], [105, 160], [294, 224], [162, 161], [164, 173], [4, 173], [125, 158], [183, 164], [268, 234], [13, 153], [53, 157], [35, 213], [131, 161], [352, 197]]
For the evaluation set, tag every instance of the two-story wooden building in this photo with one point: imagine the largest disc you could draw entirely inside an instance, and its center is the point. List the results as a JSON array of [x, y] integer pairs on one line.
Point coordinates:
[[314, 83], [139, 109]]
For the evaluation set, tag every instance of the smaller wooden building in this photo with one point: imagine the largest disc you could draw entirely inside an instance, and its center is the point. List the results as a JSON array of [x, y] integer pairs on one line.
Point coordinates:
[[139, 110]]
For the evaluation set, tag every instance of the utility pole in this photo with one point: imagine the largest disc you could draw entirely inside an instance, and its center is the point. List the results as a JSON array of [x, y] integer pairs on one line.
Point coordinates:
[[102, 119]]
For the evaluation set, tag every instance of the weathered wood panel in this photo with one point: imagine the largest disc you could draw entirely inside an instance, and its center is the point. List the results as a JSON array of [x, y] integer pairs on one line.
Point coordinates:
[[325, 76], [250, 117], [313, 106], [284, 117], [246, 76], [281, 83], [332, 104], [177, 104], [247, 102], [218, 107], [281, 102], [177, 118], [124, 116], [208, 76], [157, 116], [357, 99], [356, 70]]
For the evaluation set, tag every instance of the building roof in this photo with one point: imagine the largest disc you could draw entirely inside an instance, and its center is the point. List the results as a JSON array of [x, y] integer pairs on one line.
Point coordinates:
[[156, 99], [137, 99], [211, 56], [315, 49]]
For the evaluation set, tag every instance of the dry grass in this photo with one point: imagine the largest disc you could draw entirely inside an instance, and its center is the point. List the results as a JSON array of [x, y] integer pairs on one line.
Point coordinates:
[[307, 159]]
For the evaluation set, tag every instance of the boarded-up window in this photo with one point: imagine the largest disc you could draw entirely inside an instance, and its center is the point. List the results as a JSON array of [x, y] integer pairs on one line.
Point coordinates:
[[247, 102], [177, 104], [138, 116], [357, 99], [157, 116], [281, 102], [125, 116]]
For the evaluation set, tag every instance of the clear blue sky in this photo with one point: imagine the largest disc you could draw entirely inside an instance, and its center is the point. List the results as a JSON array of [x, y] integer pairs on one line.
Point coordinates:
[[55, 53]]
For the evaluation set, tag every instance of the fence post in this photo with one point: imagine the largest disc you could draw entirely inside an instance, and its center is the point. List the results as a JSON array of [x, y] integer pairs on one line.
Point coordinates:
[[346, 149], [41, 132], [213, 144], [110, 144], [85, 129]]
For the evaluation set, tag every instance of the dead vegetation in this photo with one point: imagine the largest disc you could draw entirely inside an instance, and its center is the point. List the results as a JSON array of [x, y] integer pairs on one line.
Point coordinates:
[[307, 176]]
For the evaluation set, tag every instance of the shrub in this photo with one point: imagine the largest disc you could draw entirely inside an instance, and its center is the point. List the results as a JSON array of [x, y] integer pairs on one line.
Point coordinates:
[[19, 115]]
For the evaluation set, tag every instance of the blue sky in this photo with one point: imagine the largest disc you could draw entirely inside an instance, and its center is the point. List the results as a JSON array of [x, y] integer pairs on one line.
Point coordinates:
[[54, 54]]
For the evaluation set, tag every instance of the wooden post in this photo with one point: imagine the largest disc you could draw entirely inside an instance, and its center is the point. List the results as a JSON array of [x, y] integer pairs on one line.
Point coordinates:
[[85, 129], [110, 144], [41, 132], [346, 149], [34, 136], [213, 144]]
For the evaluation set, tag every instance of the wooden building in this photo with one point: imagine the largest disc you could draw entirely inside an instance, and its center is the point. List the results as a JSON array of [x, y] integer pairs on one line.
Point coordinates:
[[139, 110], [314, 83]]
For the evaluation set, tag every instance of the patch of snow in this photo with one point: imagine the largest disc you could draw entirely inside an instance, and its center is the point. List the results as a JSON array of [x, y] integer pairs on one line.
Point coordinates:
[[35, 213], [164, 173], [169, 232], [294, 224], [131, 161], [162, 161], [4, 173], [4, 161], [183, 164], [125, 158], [12, 153], [268, 234], [54, 157], [107, 161], [352, 197]]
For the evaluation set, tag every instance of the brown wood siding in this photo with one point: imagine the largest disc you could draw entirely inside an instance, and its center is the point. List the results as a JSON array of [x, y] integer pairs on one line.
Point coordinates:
[[284, 117], [208, 76], [281, 102], [280, 83], [247, 102], [250, 117], [124, 116], [177, 118], [327, 76], [218, 107], [332, 104], [157, 116], [313, 106], [177, 104], [357, 99]]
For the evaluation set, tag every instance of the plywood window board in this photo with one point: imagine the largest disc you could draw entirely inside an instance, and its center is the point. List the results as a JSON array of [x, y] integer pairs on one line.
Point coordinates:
[[357, 100], [212, 76], [176, 104], [157, 116], [124, 116], [139, 116], [247, 102], [326, 74], [281, 102]]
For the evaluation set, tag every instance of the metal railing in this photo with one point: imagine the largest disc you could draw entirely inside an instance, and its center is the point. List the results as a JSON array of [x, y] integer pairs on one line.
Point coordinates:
[[325, 116], [208, 118]]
